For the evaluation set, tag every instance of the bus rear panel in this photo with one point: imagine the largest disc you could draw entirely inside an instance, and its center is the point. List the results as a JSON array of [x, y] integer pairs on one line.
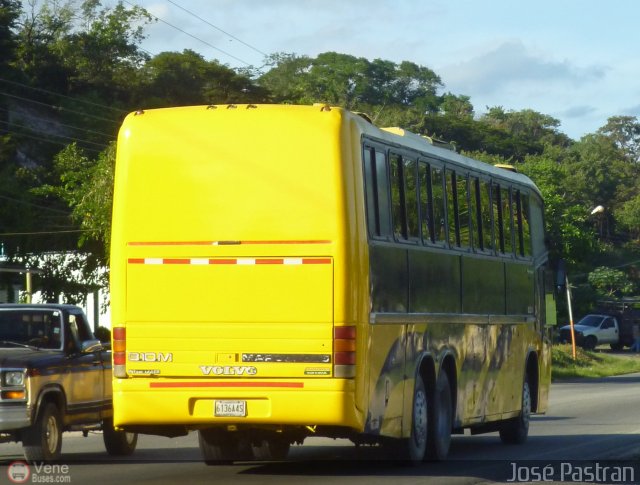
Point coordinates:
[[226, 246]]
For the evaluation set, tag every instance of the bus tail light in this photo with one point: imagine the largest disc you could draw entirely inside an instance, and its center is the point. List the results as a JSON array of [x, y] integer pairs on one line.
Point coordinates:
[[344, 352], [119, 352]]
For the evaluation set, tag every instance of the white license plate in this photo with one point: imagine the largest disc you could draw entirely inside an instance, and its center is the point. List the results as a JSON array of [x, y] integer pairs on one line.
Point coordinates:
[[231, 408]]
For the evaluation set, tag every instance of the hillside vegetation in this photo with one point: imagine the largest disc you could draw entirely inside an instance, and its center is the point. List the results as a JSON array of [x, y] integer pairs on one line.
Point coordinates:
[[71, 70]]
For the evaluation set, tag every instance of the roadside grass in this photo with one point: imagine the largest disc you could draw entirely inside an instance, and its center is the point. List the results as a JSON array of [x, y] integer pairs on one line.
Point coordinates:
[[591, 363]]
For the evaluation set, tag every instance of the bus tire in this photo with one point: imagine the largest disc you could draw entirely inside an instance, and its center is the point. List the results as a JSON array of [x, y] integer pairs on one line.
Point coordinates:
[[213, 447], [416, 446], [515, 431], [439, 432], [219, 447], [42, 441], [272, 448], [117, 442]]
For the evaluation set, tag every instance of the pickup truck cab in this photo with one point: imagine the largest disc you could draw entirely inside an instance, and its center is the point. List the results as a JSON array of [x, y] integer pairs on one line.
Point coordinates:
[[593, 330], [55, 376]]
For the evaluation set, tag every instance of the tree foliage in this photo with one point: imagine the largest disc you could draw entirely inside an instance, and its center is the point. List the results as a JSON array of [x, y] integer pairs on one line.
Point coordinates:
[[71, 69], [352, 82], [610, 282]]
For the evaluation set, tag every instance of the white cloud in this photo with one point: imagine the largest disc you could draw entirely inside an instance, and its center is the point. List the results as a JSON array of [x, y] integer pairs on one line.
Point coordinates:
[[512, 65]]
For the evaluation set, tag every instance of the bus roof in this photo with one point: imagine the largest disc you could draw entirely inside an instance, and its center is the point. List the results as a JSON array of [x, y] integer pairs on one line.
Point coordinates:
[[393, 135]]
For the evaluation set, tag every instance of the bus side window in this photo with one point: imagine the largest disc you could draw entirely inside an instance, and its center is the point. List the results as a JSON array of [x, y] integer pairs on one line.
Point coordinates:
[[370, 192], [524, 229], [426, 205], [377, 193], [437, 197], [411, 199], [476, 214], [452, 208], [507, 218], [496, 197], [464, 227], [382, 190], [486, 216], [398, 202]]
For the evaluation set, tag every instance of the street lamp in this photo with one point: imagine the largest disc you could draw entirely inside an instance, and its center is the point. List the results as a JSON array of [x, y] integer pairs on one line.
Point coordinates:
[[598, 211]]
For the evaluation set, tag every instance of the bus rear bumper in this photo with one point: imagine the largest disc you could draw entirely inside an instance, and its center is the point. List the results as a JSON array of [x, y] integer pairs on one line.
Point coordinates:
[[192, 403]]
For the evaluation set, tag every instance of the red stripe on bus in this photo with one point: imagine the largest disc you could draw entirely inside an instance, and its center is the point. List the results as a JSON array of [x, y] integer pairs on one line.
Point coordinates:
[[225, 384], [312, 241], [159, 261], [176, 261], [169, 243]]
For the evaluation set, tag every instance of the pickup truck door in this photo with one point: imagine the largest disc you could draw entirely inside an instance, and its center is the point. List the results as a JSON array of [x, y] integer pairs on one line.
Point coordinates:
[[85, 385], [608, 331]]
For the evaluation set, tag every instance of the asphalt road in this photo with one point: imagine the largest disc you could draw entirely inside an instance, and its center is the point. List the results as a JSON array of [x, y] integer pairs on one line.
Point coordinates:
[[593, 426]]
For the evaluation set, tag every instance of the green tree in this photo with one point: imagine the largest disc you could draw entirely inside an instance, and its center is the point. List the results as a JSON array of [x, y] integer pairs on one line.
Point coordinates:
[[629, 217], [610, 282], [351, 82], [570, 234], [9, 14], [186, 78], [103, 51], [86, 186], [600, 175], [624, 131], [457, 106]]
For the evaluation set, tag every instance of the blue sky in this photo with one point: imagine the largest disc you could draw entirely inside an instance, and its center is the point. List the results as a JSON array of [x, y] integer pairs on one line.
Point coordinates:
[[576, 60]]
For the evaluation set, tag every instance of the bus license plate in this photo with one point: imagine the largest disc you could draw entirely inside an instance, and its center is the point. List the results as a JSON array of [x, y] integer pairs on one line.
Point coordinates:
[[231, 408]]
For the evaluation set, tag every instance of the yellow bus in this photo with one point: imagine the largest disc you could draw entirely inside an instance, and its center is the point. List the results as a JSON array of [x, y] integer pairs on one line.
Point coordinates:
[[280, 272]]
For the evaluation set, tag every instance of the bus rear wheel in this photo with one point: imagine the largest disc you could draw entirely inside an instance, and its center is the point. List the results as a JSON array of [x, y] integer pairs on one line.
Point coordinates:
[[118, 443], [416, 445], [219, 447], [515, 431], [271, 448], [439, 432]]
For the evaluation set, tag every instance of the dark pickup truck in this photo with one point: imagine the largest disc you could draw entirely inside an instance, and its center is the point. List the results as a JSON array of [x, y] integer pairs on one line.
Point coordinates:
[[54, 377]]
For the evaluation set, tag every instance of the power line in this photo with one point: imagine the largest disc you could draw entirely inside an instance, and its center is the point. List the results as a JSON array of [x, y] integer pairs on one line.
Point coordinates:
[[110, 137], [41, 233], [191, 35], [60, 108], [15, 83], [101, 145], [218, 28], [37, 206], [45, 140]]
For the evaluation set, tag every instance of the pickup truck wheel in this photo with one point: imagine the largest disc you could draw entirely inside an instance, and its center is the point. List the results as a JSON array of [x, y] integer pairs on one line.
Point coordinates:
[[118, 443], [590, 343], [43, 440]]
